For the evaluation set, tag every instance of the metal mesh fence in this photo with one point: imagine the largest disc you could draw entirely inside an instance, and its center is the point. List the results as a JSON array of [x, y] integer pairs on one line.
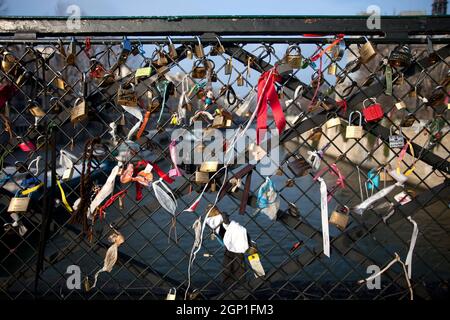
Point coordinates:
[[43, 82]]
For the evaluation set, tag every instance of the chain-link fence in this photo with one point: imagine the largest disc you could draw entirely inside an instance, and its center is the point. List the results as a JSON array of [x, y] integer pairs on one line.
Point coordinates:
[[73, 108]]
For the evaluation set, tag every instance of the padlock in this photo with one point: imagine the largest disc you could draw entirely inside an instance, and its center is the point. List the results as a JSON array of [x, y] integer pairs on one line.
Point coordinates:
[[213, 186], [198, 71], [172, 50], [213, 210], [433, 57], [201, 177], [373, 180], [339, 217], [18, 204], [189, 53], [240, 80], [316, 134], [198, 49], [384, 175], [127, 97], [366, 52], [8, 62], [408, 121], [60, 84], [213, 76], [256, 265], [293, 56], [55, 105], [25, 145], [400, 105], [209, 166], [126, 50], [162, 58], [67, 174], [354, 132], [373, 112], [332, 68], [228, 66], [72, 52], [400, 57], [299, 166], [79, 111], [172, 294], [218, 48], [222, 119], [35, 109], [334, 121], [396, 140]]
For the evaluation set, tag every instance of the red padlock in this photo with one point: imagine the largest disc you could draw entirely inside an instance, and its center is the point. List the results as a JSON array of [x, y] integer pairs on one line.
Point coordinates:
[[26, 146], [373, 112]]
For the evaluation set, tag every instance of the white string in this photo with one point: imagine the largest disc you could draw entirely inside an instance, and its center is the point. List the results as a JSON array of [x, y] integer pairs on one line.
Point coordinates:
[[414, 234], [136, 112], [36, 168]]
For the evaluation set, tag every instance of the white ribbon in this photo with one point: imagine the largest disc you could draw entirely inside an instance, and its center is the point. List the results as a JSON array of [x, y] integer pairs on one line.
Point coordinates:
[[112, 132], [401, 179], [324, 216], [106, 190], [65, 159], [183, 98], [166, 199], [36, 168], [415, 232], [297, 93], [135, 112]]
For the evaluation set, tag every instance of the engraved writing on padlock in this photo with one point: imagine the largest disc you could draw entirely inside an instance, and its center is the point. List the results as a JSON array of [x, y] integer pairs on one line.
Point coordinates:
[[396, 140], [209, 166], [366, 52], [354, 132], [18, 204], [339, 217], [79, 111], [127, 97]]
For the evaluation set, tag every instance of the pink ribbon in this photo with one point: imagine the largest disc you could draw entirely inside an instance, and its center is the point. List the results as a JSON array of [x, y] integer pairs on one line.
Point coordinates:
[[334, 170], [175, 171]]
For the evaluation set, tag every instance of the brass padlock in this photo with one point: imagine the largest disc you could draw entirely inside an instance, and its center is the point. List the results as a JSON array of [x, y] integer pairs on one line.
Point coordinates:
[[127, 97], [339, 217], [79, 111], [72, 52], [385, 176], [240, 80], [162, 58], [334, 121], [199, 71], [198, 49], [332, 68], [189, 53], [201, 177], [316, 134], [209, 166], [354, 132], [67, 174], [213, 211], [172, 50], [366, 52], [8, 61], [222, 119], [229, 66], [60, 84], [18, 204], [217, 49], [408, 121], [293, 56], [35, 109]]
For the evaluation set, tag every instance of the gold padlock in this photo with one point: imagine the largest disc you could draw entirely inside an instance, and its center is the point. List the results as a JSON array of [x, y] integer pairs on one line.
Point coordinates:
[[293, 56], [8, 61], [198, 49], [127, 97], [332, 68], [366, 52], [217, 49], [172, 294], [240, 80], [35, 109], [209, 166], [213, 210], [229, 66], [354, 132], [198, 71], [299, 166], [162, 58], [79, 111], [172, 50], [201, 177], [339, 217], [18, 204], [333, 122], [67, 175]]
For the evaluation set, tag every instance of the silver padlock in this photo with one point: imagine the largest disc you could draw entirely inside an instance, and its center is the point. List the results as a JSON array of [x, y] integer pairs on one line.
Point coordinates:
[[172, 294], [354, 132], [396, 140]]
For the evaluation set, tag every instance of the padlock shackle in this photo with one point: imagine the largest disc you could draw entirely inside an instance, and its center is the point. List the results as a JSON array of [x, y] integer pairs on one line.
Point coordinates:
[[396, 128], [350, 117], [373, 99], [293, 47]]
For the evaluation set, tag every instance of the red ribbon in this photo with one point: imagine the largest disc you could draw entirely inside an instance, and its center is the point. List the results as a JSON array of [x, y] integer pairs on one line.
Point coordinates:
[[110, 201], [157, 169], [268, 94], [342, 104], [339, 38]]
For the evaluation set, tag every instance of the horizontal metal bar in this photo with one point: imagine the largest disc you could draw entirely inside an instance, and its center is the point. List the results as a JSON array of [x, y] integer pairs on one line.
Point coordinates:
[[391, 26]]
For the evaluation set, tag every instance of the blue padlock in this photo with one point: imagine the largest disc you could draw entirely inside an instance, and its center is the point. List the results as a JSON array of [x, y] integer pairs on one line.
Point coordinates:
[[373, 179]]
